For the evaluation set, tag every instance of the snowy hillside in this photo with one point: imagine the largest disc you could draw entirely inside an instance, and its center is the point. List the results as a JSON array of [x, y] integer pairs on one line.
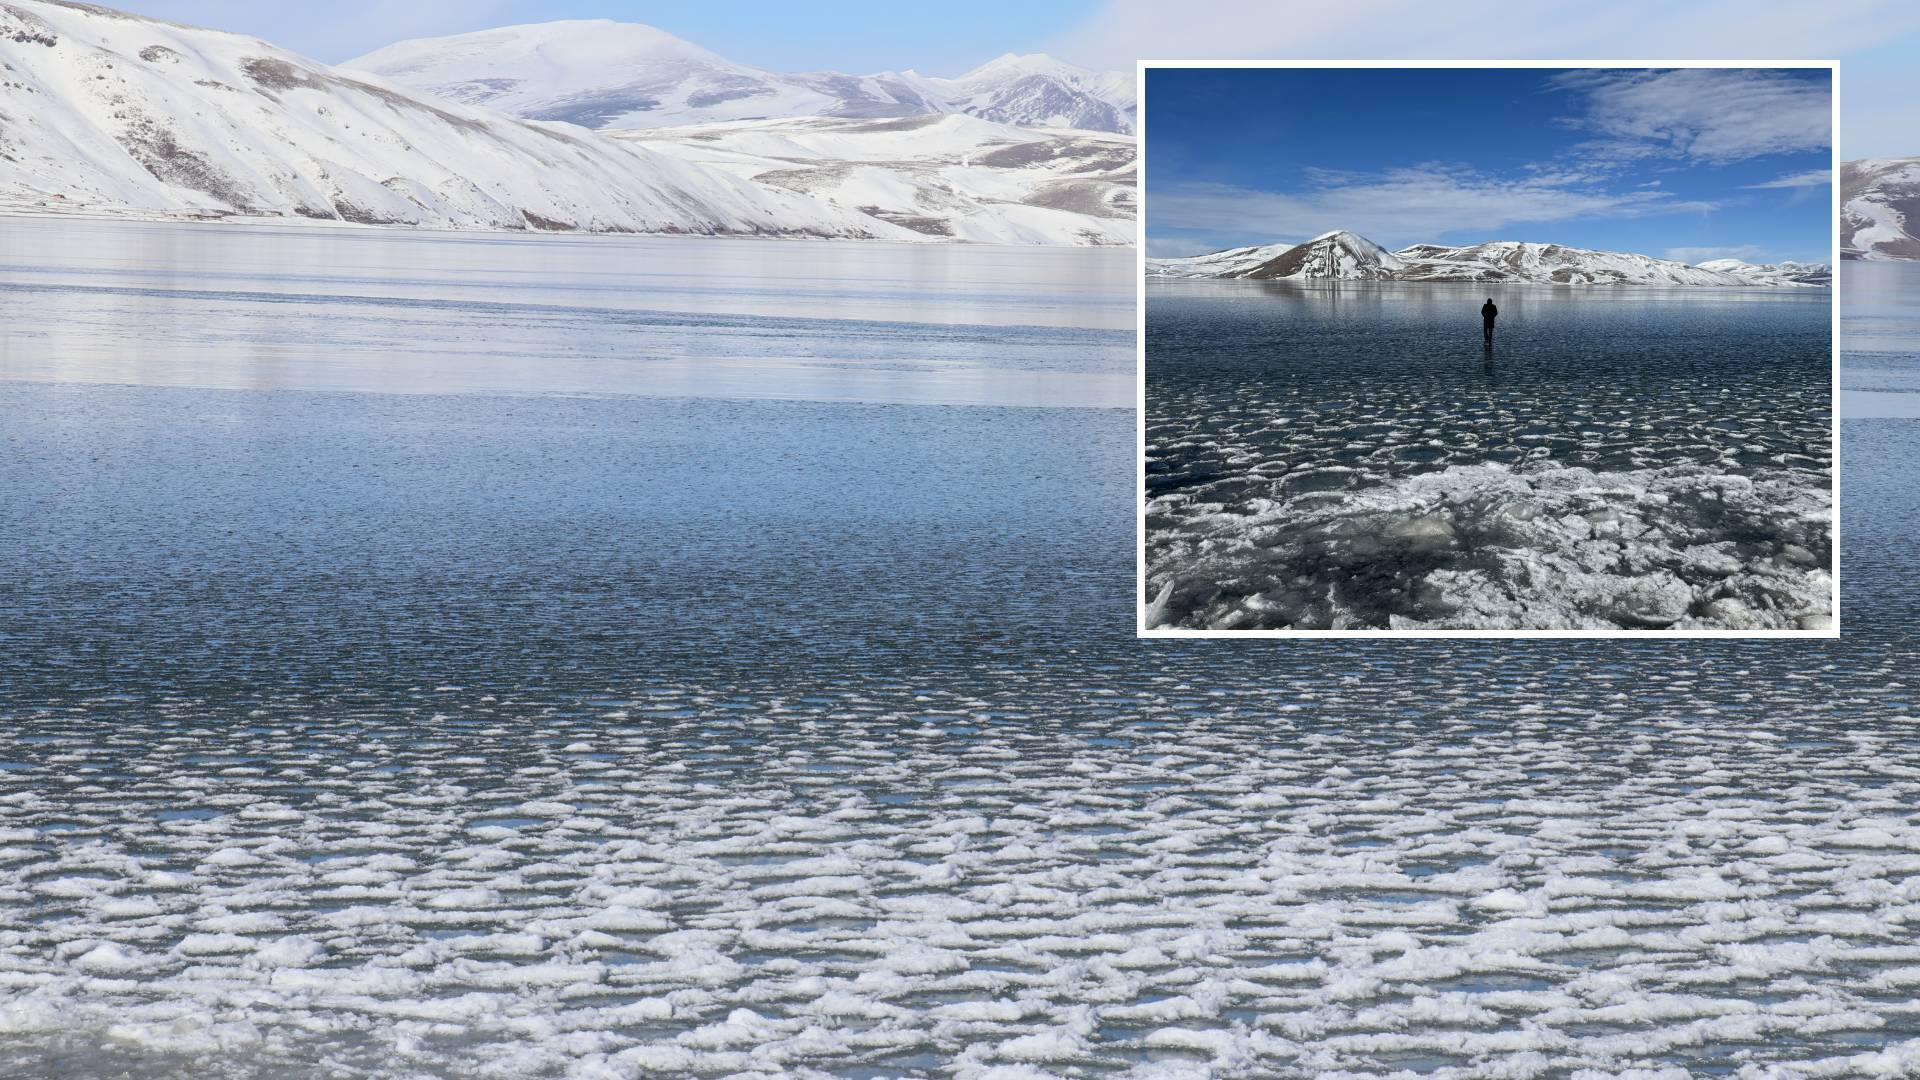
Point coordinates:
[[1782, 273], [1345, 255], [946, 176], [602, 73], [1228, 263], [108, 112], [1880, 209]]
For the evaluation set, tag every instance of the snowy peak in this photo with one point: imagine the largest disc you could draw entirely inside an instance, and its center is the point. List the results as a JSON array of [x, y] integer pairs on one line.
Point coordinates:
[[107, 112], [605, 74], [1037, 90], [1343, 255], [1334, 255]]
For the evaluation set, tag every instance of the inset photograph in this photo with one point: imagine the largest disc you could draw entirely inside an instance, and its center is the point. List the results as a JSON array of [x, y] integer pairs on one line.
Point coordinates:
[[1529, 351]]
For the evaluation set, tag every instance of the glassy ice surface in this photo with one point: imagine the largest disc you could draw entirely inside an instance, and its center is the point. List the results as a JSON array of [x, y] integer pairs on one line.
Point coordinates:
[[1350, 455], [484, 734]]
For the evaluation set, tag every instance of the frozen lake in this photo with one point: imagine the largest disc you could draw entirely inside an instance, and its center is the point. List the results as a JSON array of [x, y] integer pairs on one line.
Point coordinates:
[[277, 307], [414, 734], [1349, 455]]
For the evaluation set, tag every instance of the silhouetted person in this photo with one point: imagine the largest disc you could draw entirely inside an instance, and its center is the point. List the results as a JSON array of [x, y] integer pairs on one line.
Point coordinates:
[[1488, 313]]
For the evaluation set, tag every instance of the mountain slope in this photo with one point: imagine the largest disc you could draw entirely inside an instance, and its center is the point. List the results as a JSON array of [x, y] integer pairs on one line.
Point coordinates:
[[1227, 263], [102, 110], [947, 176], [1341, 255], [606, 74], [1880, 208]]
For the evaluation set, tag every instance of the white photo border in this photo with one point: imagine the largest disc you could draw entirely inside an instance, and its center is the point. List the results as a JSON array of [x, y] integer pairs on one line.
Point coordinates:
[[1141, 600]]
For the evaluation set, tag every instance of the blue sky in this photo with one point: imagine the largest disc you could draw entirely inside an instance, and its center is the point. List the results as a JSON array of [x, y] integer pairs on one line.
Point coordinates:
[[840, 35], [1687, 164]]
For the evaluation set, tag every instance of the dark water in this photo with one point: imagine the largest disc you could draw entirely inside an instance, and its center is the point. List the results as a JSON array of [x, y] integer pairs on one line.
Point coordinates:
[[417, 734], [1279, 415]]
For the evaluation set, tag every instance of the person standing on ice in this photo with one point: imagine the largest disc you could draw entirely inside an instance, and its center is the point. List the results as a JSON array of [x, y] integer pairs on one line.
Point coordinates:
[[1488, 313]]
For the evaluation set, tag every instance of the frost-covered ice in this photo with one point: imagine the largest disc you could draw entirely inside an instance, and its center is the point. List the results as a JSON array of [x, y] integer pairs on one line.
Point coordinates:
[[1165, 882], [1497, 547], [478, 734], [1349, 457]]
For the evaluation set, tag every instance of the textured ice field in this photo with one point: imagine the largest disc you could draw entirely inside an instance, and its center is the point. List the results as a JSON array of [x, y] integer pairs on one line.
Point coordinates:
[[1162, 881], [1356, 460], [419, 735]]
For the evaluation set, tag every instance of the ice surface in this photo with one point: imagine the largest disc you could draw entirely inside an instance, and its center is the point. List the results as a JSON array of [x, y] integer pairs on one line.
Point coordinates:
[[1168, 886], [617, 736], [1351, 457], [1496, 547]]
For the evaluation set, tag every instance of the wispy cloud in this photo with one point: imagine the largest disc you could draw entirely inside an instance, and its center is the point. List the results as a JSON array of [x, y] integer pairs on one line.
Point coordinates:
[[1814, 179], [1744, 252], [1710, 115], [1400, 206]]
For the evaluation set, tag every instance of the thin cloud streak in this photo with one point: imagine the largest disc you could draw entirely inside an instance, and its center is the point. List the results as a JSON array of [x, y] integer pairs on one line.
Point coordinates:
[[1816, 178], [1400, 207]]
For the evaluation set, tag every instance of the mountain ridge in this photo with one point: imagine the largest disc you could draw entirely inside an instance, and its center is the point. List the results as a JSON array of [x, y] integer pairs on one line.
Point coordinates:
[[603, 73], [1343, 255]]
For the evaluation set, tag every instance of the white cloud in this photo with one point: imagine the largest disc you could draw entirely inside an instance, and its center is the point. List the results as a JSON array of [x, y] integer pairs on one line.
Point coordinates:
[[1398, 207], [1712, 115], [1743, 252], [1815, 178]]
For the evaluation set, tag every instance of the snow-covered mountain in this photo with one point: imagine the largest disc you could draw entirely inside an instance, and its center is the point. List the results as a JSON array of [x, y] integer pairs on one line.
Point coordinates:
[[1514, 260], [607, 74], [1038, 91], [1345, 255], [1781, 273], [602, 73], [1880, 208], [1337, 254], [110, 112], [948, 176]]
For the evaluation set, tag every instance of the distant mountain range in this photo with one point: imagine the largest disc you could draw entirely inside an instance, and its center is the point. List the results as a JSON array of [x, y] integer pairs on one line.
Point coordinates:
[[605, 74], [107, 112], [1344, 255]]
